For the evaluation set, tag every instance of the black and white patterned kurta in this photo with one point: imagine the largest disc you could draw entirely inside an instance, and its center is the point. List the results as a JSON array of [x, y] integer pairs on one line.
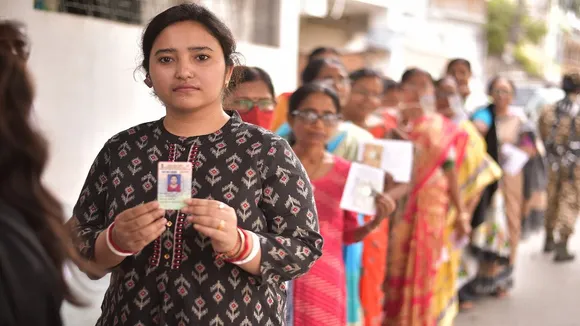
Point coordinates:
[[176, 280]]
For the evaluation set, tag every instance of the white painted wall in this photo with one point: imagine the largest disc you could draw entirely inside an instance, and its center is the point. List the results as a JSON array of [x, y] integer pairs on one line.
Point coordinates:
[[86, 89]]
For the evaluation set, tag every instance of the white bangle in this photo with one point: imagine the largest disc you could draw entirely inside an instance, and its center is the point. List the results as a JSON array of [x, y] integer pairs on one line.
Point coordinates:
[[253, 252], [108, 236]]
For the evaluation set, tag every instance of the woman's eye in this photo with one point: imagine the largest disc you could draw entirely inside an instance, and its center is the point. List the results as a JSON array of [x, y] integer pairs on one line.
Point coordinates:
[[165, 59], [202, 57]]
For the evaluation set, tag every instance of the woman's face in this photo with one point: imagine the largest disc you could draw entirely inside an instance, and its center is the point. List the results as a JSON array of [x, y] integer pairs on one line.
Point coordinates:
[[254, 103], [365, 98], [187, 67], [336, 76], [462, 74], [173, 180], [447, 94], [502, 93], [417, 96], [315, 121], [391, 98]]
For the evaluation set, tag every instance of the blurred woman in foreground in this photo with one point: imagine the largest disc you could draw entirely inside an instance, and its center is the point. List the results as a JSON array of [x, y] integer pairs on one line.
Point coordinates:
[[34, 244]]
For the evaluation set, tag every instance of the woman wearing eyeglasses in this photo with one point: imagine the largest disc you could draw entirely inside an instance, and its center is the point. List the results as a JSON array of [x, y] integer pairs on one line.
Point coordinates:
[[504, 203], [343, 142], [319, 298], [252, 95]]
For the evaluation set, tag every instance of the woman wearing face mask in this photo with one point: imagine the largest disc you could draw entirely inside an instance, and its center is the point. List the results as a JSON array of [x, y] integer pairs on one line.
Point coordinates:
[[252, 95], [251, 224], [319, 298], [502, 207], [281, 111], [477, 171], [416, 250]]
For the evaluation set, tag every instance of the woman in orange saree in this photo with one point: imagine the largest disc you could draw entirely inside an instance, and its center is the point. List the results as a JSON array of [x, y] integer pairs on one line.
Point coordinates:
[[417, 236], [366, 94]]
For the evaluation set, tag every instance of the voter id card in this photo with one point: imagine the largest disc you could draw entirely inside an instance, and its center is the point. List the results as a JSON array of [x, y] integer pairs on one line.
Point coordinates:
[[173, 184]]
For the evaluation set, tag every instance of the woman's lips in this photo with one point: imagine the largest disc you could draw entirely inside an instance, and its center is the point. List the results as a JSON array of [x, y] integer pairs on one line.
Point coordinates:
[[186, 88]]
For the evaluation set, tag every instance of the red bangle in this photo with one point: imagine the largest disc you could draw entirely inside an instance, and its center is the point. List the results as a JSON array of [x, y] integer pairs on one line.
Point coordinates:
[[243, 252], [115, 246]]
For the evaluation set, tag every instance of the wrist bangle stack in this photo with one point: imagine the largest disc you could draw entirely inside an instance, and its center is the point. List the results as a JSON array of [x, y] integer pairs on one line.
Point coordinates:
[[112, 246], [253, 252]]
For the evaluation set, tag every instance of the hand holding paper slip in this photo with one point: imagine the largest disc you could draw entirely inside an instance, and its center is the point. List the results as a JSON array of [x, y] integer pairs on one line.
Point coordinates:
[[514, 159], [362, 185], [392, 156]]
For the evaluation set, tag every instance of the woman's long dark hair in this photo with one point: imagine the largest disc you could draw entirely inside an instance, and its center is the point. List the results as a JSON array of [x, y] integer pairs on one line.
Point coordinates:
[[24, 154]]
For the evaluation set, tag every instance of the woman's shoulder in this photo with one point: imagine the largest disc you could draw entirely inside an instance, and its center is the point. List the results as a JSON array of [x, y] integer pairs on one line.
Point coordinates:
[[260, 143], [257, 133], [355, 131], [140, 132]]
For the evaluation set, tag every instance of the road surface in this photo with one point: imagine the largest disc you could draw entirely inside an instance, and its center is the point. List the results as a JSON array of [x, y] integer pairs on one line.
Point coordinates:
[[545, 294]]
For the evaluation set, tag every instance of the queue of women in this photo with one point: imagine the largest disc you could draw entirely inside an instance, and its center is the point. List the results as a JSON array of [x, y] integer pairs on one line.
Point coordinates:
[[263, 240]]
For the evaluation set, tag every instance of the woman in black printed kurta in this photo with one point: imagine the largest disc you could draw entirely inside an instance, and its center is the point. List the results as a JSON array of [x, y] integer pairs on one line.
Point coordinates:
[[243, 176]]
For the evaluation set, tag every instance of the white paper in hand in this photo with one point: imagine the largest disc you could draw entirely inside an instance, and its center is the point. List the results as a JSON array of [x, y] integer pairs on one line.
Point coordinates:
[[514, 159], [362, 185], [393, 156]]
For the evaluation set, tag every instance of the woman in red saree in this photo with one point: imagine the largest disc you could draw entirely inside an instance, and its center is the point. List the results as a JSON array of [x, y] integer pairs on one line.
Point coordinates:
[[417, 237]]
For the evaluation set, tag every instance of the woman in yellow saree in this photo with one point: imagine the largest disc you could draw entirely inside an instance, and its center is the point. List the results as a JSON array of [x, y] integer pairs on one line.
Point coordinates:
[[417, 237], [477, 171]]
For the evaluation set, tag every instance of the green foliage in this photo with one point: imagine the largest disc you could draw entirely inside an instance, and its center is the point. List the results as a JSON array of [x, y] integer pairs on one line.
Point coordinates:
[[529, 66], [534, 30], [500, 16]]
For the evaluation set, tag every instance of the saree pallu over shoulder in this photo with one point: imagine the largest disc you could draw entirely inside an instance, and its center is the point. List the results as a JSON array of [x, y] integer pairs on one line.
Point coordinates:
[[417, 239], [435, 135]]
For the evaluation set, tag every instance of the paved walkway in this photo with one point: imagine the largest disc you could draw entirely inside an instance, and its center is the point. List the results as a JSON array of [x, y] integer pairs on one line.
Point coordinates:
[[545, 294]]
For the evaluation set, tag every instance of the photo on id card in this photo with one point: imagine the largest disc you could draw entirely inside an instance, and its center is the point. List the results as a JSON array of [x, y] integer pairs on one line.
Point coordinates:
[[173, 184]]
